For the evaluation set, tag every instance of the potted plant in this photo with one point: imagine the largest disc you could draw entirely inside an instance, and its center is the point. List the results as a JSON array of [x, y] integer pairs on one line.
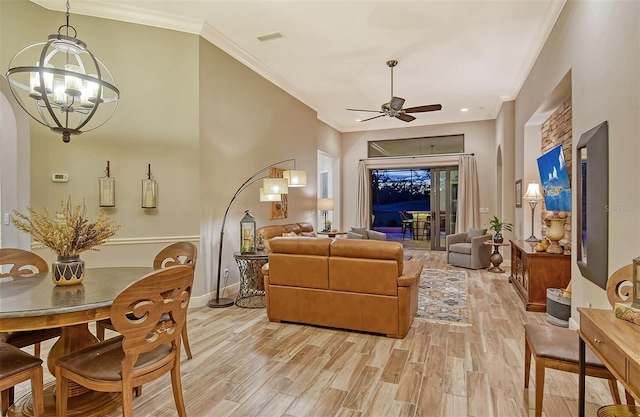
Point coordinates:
[[68, 233], [498, 226]]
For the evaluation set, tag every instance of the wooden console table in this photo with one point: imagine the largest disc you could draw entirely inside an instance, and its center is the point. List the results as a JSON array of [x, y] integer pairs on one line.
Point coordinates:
[[533, 272], [616, 342]]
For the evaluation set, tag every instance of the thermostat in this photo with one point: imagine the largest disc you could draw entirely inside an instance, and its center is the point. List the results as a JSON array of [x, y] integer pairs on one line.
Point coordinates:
[[59, 177]]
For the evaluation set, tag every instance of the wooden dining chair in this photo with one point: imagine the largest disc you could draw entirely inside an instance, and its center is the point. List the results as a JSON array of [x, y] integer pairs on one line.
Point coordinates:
[[17, 366], [179, 253], [149, 315], [20, 264]]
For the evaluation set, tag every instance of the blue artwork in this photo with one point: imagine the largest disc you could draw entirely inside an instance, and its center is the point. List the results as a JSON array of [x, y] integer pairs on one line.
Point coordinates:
[[555, 180]]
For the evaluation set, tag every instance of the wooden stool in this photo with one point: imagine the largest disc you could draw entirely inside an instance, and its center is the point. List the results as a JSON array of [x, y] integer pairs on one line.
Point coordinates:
[[557, 348], [17, 366]]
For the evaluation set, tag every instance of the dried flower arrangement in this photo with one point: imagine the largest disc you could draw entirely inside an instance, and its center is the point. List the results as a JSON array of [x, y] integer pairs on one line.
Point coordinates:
[[68, 232]]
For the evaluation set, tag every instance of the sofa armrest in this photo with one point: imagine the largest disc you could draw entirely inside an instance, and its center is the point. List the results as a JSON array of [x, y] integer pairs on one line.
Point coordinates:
[[455, 238], [265, 269], [410, 273], [375, 235]]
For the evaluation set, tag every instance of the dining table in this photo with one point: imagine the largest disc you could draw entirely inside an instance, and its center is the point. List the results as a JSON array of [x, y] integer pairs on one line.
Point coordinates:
[[31, 302]]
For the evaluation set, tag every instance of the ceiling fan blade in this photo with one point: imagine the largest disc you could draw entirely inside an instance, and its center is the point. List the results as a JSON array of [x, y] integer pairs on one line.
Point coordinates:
[[420, 109], [371, 118], [372, 111], [405, 117], [396, 103]]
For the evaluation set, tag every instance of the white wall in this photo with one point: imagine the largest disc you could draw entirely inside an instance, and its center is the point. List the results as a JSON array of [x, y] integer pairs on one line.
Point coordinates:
[[479, 139], [599, 42]]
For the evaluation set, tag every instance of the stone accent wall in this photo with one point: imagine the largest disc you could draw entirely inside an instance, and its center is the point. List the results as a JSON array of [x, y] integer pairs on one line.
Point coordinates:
[[557, 130]]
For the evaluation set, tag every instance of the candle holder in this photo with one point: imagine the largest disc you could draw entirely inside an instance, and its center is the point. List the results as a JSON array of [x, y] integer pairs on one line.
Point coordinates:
[[149, 191], [107, 190]]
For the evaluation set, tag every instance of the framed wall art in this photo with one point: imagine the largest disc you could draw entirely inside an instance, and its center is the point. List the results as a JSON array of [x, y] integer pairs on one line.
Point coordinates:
[[519, 193]]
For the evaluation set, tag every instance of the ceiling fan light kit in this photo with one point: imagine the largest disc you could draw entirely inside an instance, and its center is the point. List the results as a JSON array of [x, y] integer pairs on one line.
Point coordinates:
[[394, 107]]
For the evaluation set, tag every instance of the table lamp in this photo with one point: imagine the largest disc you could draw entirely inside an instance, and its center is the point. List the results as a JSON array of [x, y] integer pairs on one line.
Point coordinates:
[[325, 204], [533, 195]]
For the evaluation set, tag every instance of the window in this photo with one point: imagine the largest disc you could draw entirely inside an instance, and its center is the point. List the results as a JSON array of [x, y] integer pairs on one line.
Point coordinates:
[[434, 145]]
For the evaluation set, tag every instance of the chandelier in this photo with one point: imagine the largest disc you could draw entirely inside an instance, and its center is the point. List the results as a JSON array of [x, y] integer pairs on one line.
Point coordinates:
[[62, 85]]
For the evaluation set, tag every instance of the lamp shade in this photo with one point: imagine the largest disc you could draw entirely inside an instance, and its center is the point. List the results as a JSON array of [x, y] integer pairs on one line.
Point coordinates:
[[269, 197], [325, 204], [533, 192], [295, 177], [275, 186]]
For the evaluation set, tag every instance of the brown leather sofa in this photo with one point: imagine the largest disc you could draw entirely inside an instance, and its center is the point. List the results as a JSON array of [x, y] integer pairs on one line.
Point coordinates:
[[363, 285], [278, 230]]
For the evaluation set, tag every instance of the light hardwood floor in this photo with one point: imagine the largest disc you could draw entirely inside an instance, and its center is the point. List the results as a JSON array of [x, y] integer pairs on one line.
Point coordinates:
[[244, 365]]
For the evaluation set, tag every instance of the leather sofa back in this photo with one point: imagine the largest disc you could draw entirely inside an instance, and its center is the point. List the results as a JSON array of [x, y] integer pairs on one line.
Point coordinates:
[[279, 229], [300, 262]]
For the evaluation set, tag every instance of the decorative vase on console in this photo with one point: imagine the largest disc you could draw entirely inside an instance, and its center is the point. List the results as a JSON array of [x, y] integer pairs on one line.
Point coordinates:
[[555, 233], [68, 233]]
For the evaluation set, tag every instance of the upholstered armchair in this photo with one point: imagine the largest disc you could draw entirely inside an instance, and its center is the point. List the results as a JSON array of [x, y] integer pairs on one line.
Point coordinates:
[[467, 250], [362, 233]]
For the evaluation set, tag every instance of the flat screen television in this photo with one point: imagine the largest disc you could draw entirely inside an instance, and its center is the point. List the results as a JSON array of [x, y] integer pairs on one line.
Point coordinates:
[[555, 180]]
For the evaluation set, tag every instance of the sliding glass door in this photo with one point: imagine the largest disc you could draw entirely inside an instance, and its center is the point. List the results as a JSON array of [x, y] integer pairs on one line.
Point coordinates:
[[444, 200]]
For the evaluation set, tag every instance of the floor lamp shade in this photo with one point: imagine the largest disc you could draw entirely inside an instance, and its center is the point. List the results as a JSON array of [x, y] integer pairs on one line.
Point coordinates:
[[534, 195], [295, 177], [269, 197], [275, 186]]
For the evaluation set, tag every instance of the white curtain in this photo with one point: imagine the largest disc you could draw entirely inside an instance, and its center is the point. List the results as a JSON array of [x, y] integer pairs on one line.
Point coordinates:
[[468, 210], [362, 197]]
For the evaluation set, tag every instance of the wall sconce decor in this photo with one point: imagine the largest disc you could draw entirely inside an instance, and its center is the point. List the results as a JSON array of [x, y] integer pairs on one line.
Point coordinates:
[[149, 191], [107, 190], [248, 233], [62, 85]]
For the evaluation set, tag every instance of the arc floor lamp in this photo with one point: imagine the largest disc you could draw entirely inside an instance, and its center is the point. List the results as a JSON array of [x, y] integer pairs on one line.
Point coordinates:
[[271, 191]]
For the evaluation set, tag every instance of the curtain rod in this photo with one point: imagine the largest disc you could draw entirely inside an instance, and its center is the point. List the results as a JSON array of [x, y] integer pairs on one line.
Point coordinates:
[[415, 156]]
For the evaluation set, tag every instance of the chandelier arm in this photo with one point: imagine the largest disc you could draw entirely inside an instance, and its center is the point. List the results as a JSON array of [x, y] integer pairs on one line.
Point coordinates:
[[217, 302]]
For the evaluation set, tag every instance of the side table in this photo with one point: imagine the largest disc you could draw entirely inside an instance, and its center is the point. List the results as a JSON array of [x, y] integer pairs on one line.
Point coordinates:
[[251, 292], [496, 258], [332, 233]]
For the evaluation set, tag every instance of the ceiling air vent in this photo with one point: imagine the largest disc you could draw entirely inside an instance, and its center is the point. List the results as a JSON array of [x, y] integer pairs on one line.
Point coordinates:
[[270, 36]]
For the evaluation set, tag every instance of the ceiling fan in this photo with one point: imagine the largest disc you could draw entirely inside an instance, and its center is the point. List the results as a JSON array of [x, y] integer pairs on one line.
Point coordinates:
[[394, 107]]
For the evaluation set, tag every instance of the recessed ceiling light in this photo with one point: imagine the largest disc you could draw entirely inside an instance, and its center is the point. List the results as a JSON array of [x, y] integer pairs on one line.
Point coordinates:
[[464, 109], [270, 36]]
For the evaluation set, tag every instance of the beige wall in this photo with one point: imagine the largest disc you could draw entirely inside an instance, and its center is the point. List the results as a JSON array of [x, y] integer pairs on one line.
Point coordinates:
[[204, 121], [598, 43], [246, 123], [480, 139]]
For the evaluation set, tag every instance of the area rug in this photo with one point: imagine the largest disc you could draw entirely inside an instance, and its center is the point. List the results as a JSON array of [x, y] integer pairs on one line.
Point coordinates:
[[442, 297]]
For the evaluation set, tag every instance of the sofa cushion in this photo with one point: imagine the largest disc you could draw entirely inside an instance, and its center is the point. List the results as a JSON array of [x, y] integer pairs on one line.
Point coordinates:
[[461, 248], [475, 233], [289, 234], [369, 249]]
